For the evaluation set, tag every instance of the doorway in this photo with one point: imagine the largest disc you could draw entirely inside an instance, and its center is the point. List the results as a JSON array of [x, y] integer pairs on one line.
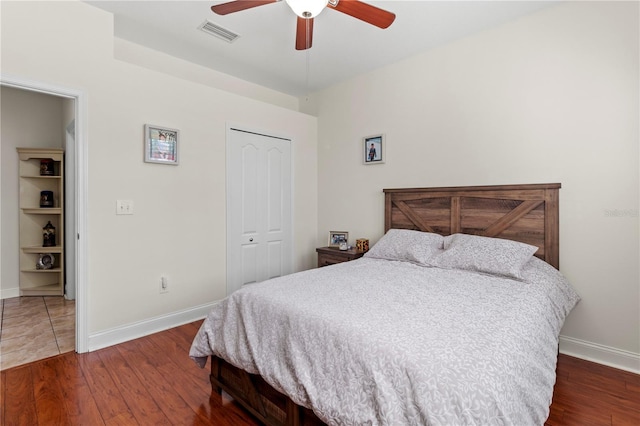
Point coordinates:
[[77, 166], [259, 228]]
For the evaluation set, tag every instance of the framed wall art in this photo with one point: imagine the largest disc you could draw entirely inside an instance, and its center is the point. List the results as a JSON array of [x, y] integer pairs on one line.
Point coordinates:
[[373, 149], [160, 145]]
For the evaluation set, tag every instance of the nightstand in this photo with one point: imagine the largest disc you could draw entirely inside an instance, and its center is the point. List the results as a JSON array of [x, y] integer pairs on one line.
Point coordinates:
[[332, 255]]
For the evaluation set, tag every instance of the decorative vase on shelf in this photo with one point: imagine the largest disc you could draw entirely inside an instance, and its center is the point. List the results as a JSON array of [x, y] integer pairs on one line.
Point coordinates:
[[46, 199], [46, 167]]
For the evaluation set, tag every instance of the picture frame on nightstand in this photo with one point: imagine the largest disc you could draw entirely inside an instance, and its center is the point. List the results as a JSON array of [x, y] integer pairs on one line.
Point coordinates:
[[337, 237]]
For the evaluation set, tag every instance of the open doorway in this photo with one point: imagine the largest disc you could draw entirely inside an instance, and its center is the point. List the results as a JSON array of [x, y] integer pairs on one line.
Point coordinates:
[[73, 141]]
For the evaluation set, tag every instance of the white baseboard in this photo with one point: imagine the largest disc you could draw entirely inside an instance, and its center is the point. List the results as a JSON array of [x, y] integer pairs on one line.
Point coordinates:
[[139, 329], [617, 358], [8, 293]]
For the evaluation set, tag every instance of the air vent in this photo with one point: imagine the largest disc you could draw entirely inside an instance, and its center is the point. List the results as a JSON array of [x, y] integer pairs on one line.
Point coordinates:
[[218, 31]]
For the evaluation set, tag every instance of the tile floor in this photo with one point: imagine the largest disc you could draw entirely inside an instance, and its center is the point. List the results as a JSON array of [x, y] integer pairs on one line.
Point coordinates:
[[33, 328]]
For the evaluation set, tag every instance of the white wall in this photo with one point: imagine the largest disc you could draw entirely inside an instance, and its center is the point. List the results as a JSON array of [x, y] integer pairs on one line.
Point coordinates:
[[551, 97], [135, 54], [178, 225], [28, 120]]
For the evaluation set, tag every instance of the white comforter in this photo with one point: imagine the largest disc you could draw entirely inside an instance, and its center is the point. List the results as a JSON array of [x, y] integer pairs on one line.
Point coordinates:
[[383, 342]]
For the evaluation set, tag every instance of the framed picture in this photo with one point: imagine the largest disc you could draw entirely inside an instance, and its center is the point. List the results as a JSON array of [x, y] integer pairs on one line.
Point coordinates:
[[337, 237], [373, 149], [160, 145]]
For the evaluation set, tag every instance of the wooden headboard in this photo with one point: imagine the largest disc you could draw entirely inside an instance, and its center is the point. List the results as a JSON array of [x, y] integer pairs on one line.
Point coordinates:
[[526, 213]]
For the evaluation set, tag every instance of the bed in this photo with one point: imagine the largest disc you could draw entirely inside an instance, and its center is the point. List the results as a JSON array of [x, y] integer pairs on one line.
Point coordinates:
[[453, 317]]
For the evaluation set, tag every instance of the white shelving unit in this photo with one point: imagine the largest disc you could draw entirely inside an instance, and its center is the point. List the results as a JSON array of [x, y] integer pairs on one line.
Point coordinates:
[[34, 281]]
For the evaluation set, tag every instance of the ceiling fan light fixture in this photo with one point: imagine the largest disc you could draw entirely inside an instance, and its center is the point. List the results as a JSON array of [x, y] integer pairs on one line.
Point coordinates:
[[307, 8]]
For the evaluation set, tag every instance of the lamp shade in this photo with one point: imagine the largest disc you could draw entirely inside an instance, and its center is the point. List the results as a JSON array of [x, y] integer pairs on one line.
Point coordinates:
[[307, 8]]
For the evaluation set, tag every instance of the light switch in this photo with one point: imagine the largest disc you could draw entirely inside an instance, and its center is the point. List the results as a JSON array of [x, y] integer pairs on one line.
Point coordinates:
[[124, 207]]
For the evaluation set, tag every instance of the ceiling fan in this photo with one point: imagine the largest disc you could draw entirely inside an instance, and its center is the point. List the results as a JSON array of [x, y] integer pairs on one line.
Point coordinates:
[[309, 9]]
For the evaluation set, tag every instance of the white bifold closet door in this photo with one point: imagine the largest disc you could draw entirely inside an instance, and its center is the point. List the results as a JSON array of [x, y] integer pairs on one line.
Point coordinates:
[[259, 228]]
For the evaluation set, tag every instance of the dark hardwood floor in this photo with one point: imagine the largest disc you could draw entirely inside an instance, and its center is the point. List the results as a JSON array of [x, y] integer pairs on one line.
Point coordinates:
[[152, 381], [587, 393]]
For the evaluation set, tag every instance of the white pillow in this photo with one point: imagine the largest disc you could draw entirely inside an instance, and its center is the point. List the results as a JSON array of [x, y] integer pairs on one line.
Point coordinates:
[[494, 256], [407, 246]]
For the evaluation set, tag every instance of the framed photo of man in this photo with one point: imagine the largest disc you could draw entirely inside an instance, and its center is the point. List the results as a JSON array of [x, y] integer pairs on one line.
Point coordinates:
[[373, 149]]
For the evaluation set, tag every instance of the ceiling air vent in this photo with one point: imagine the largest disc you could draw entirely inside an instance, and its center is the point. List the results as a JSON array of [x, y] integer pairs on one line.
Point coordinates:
[[218, 31]]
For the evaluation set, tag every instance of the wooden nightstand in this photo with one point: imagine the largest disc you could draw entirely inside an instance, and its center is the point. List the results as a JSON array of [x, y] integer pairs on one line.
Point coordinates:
[[332, 255]]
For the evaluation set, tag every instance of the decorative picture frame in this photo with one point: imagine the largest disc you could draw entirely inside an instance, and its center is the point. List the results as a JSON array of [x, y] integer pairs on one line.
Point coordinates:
[[337, 237], [373, 149], [160, 145]]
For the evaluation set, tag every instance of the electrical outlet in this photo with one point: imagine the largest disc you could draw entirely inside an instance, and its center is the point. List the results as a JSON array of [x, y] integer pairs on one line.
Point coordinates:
[[164, 284], [124, 207]]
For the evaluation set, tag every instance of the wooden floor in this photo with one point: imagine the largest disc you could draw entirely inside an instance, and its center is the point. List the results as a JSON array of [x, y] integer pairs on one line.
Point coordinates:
[[152, 381], [592, 394]]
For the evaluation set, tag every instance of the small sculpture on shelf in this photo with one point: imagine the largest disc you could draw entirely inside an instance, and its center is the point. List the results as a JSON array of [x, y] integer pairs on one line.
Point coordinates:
[[49, 235]]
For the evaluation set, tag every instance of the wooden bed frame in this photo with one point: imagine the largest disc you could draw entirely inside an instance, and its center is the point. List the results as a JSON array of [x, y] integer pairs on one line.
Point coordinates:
[[526, 213]]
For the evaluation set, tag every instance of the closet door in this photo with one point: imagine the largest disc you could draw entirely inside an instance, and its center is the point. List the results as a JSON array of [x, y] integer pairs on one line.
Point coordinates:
[[259, 229]]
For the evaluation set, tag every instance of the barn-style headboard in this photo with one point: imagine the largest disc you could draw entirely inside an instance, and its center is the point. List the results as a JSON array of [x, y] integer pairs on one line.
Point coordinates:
[[526, 213]]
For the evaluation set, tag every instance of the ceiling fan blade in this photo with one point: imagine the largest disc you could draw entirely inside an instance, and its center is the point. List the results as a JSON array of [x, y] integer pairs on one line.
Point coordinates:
[[238, 5], [304, 33], [365, 12]]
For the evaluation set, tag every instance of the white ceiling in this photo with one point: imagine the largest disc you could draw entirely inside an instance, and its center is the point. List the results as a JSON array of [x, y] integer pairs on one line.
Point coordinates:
[[342, 46]]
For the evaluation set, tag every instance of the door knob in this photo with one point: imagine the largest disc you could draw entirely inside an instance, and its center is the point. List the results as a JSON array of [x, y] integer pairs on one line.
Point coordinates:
[[250, 240]]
